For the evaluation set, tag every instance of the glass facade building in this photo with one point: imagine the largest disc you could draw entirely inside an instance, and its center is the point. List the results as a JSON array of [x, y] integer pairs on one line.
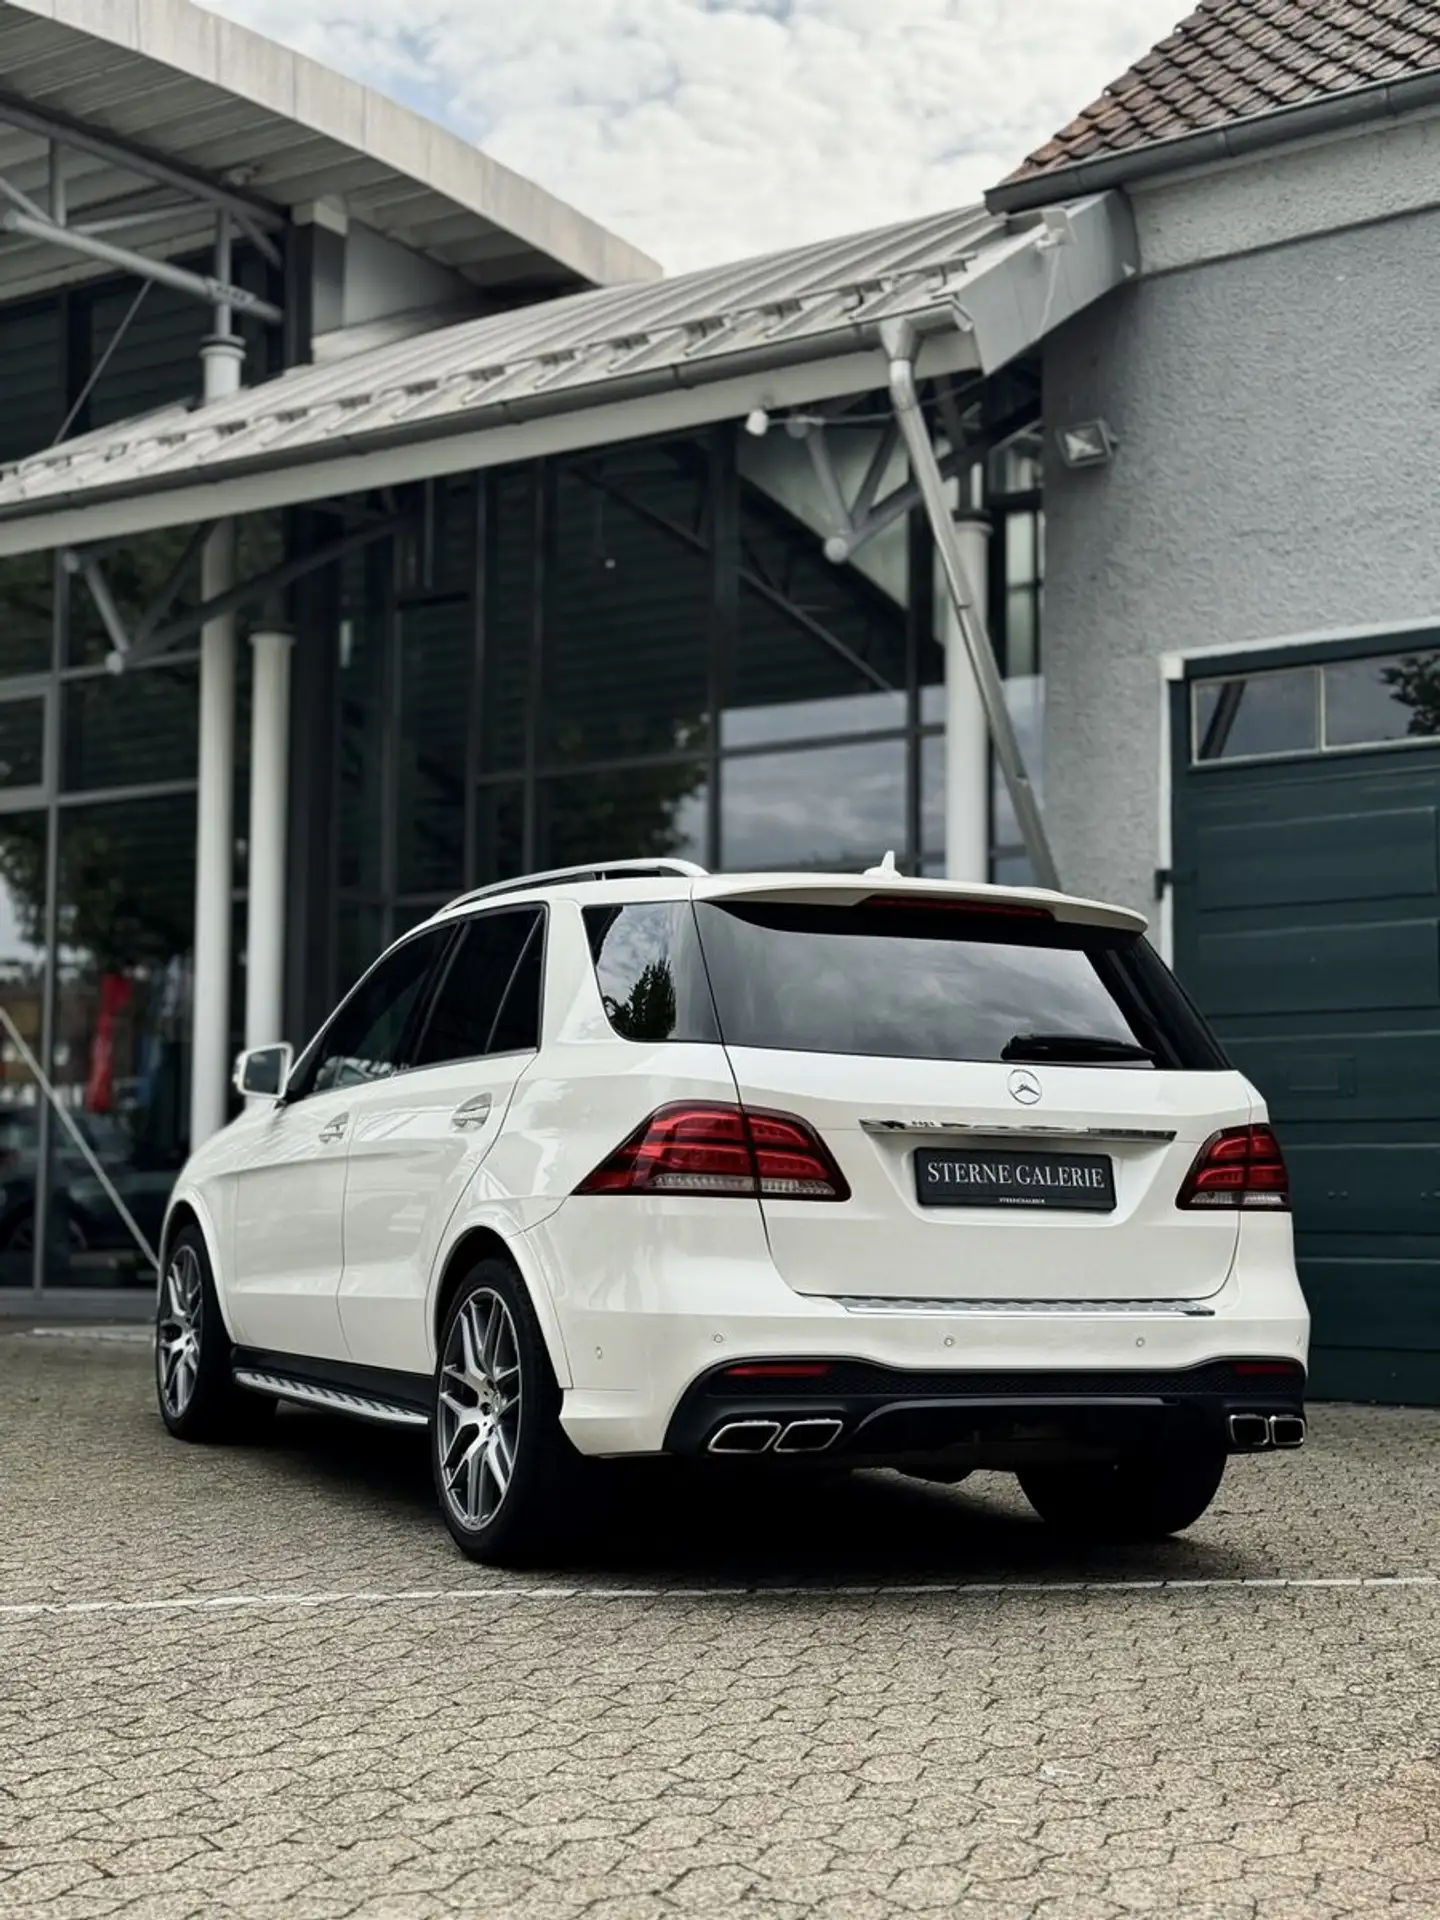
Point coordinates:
[[636, 650]]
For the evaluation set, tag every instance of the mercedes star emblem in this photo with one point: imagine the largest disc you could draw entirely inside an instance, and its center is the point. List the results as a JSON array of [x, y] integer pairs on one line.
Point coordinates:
[[1025, 1088]]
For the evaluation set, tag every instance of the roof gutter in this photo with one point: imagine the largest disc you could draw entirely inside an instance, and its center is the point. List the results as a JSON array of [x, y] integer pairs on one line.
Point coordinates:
[[1212, 146]]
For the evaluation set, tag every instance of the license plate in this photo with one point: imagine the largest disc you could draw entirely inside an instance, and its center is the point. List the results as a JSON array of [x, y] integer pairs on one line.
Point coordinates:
[[1009, 1177]]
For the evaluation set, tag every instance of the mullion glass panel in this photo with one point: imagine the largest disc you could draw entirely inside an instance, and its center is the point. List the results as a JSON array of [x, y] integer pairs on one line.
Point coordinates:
[[627, 608]]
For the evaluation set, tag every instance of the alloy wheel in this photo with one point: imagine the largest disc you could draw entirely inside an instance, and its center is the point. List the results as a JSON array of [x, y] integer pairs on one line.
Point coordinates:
[[478, 1414], [177, 1337]]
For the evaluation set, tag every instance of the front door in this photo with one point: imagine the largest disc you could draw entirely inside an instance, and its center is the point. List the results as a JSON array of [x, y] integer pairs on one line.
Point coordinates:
[[418, 1140], [290, 1193]]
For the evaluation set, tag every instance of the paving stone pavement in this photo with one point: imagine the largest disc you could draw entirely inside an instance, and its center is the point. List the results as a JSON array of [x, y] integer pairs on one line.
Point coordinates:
[[860, 1700]]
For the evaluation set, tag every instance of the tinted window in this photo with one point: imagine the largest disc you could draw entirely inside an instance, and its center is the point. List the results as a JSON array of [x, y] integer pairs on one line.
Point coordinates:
[[473, 999], [365, 1040], [651, 974], [942, 985], [517, 1029]]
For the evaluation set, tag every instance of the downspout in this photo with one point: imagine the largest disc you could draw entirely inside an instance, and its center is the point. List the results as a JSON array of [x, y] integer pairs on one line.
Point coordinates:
[[899, 340]]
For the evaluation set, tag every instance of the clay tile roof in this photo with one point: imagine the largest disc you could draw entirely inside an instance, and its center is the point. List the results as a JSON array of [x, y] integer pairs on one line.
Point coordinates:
[[1234, 58]]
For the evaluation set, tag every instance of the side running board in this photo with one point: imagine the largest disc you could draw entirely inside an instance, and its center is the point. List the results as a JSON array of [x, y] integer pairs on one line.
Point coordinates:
[[308, 1393]]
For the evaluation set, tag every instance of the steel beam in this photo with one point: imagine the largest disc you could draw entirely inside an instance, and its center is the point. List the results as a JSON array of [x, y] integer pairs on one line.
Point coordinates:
[[46, 124], [199, 286], [900, 341], [260, 588]]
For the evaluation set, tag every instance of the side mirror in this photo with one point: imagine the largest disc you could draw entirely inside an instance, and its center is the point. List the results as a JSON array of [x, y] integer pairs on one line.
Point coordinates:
[[261, 1073]]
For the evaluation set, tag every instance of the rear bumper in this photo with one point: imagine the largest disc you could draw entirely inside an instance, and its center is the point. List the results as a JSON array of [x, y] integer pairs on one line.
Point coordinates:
[[647, 1317], [856, 1414]]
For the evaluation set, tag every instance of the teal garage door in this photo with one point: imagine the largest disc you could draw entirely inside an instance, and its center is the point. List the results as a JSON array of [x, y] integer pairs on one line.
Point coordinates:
[[1307, 926]]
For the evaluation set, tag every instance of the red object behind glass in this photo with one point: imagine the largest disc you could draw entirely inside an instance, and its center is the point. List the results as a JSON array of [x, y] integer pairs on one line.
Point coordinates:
[[100, 1088]]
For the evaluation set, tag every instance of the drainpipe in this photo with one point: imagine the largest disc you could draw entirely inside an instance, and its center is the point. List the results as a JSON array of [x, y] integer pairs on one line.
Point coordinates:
[[967, 738], [269, 784], [900, 340], [223, 356]]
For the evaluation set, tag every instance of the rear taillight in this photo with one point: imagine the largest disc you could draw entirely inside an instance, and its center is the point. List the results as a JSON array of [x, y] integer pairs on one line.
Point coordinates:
[[1242, 1167], [703, 1147]]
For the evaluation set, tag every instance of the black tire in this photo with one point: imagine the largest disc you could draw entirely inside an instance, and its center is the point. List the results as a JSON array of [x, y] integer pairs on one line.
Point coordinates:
[[198, 1399], [542, 1499], [1141, 1496]]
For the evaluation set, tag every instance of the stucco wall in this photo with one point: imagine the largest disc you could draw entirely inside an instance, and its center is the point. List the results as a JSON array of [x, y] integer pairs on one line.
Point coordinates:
[[1279, 472]]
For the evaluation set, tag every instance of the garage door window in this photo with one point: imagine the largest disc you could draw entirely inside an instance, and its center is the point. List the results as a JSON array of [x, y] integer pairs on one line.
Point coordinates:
[[1342, 706]]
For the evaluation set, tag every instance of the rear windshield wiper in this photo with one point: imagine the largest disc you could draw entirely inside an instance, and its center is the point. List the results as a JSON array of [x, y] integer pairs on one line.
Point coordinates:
[[1077, 1047]]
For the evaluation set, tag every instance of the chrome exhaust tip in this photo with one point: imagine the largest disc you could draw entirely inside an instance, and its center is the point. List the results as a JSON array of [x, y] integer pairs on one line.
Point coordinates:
[[1250, 1430], [745, 1436], [1287, 1430], [809, 1436]]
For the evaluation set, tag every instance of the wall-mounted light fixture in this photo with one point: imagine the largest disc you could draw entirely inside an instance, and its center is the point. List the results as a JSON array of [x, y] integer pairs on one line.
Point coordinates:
[[1089, 443]]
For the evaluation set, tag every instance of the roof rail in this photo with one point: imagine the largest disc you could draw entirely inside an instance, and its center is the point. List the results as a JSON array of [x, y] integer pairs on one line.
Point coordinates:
[[608, 870]]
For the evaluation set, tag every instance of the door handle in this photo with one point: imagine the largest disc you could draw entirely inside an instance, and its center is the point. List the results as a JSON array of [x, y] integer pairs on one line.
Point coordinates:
[[335, 1130], [472, 1114]]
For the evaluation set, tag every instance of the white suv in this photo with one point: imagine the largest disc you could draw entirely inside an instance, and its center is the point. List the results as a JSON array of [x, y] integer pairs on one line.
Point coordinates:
[[767, 1169]]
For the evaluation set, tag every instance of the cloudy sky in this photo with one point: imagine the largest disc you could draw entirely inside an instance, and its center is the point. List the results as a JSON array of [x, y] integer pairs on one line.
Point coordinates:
[[705, 130]]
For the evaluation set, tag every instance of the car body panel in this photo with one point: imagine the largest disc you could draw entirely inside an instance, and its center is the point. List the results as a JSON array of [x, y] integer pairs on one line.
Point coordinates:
[[343, 1254]]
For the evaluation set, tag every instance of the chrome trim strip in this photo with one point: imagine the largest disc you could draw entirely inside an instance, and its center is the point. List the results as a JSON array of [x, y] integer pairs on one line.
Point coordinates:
[[1161, 1135], [874, 1304], [360, 1406]]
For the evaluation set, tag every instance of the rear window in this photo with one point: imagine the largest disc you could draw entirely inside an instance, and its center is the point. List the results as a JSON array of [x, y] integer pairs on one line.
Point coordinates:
[[899, 983]]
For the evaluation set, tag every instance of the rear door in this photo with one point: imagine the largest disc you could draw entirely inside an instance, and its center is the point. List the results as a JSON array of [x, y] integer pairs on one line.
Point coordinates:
[[980, 1077], [417, 1141]]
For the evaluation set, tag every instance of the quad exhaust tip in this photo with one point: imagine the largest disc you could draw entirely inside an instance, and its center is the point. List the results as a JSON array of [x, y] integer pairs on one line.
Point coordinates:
[[1251, 1431], [809, 1436], [760, 1436], [745, 1436]]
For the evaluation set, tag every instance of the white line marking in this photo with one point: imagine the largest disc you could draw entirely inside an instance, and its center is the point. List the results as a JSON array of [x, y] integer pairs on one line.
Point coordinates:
[[955, 1590]]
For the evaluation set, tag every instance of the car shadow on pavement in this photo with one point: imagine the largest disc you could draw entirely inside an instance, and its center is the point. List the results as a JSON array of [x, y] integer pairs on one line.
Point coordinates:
[[664, 1523]]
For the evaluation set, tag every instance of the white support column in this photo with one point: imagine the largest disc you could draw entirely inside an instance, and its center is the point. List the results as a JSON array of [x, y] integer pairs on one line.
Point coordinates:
[[967, 737], [269, 818], [215, 802]]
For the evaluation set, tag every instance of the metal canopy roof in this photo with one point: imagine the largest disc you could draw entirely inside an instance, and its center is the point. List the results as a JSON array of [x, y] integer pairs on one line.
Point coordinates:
[[784, 330], [204, 98]]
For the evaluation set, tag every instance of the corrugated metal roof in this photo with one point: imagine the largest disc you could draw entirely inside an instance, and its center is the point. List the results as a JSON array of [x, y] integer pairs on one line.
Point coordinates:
[[204, 94], [817, 303], [1233, 59]]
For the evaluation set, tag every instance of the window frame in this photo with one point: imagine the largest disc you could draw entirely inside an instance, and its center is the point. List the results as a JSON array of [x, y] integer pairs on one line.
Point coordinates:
[[539, 913], [307, 1064]]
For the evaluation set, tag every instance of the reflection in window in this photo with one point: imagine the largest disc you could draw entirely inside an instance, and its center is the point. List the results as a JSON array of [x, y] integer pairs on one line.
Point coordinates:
[[1263, 714], [22, 983], [437, 647], [624, 813], [121, 1056], [27, 599], [649, 970], [814, 665], [364, 715], [132, 728], [22, 743], [1381, 701], [1026, 702], [1371, 702], [627, 607], [823, 807]]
